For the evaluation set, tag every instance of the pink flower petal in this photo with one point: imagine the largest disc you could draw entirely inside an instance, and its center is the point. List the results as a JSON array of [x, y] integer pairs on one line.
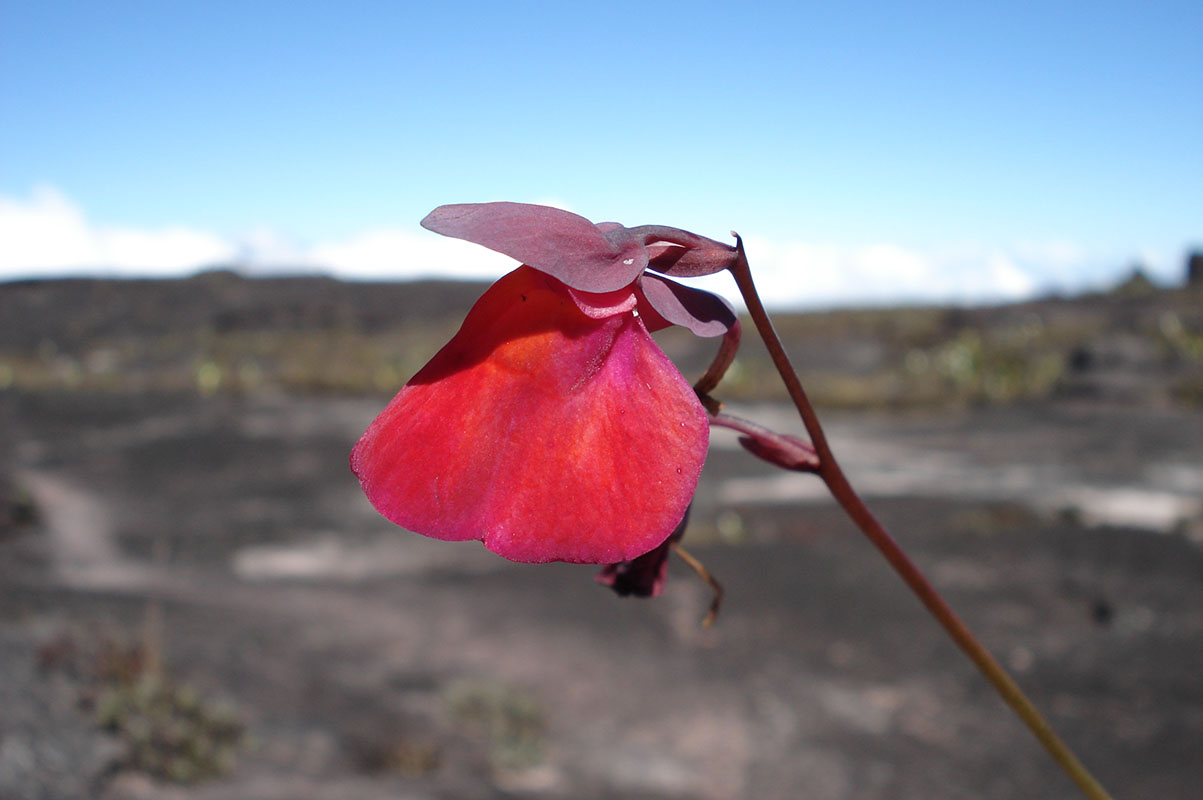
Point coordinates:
[[560, 243], [547, 434], [702, 313]]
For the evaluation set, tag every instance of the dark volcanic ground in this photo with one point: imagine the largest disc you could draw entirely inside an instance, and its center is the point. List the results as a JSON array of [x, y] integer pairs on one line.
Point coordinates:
[[182, 546], [367, 662]]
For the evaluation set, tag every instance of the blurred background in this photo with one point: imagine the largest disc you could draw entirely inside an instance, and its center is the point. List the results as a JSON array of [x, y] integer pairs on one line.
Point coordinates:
[[979, 230]]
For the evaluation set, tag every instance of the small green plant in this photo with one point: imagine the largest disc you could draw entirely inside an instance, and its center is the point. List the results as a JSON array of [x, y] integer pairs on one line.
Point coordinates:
[[510, 720], [169, 730]]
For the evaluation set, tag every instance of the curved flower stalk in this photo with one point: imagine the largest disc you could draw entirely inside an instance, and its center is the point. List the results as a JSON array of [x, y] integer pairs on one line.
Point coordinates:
[[552, 428]]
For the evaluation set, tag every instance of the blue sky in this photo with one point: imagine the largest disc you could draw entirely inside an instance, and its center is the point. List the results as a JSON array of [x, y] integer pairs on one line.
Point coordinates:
[[868, 152]]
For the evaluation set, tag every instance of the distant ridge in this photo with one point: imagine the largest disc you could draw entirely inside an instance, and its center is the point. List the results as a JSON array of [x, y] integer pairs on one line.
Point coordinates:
[[221, 331], [74, 311]]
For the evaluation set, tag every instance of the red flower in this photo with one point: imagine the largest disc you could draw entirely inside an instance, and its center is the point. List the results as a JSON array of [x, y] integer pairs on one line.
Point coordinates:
[[551, 427]]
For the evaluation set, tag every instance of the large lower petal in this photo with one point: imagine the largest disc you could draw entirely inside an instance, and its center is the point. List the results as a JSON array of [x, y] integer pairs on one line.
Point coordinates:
[[545, 433]]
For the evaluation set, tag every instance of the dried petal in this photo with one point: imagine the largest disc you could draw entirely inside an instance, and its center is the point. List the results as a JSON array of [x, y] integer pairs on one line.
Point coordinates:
[[644, 576]]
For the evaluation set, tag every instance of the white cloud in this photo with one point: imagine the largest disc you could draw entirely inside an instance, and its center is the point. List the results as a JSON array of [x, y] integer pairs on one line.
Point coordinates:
[[1059, 253], [46, 234], [818, 274], [49, 235], [392, 253], [263, 246]]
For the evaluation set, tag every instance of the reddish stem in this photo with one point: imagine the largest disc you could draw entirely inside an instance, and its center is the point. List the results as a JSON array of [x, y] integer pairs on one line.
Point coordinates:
[[727, 349], [829, 470]]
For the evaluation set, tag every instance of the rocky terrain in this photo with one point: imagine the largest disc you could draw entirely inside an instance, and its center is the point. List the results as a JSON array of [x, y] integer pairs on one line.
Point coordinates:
[[196, 602]]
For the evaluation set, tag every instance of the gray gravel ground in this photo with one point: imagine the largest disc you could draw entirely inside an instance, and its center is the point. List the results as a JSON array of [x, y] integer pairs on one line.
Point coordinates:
[[368, 662]]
